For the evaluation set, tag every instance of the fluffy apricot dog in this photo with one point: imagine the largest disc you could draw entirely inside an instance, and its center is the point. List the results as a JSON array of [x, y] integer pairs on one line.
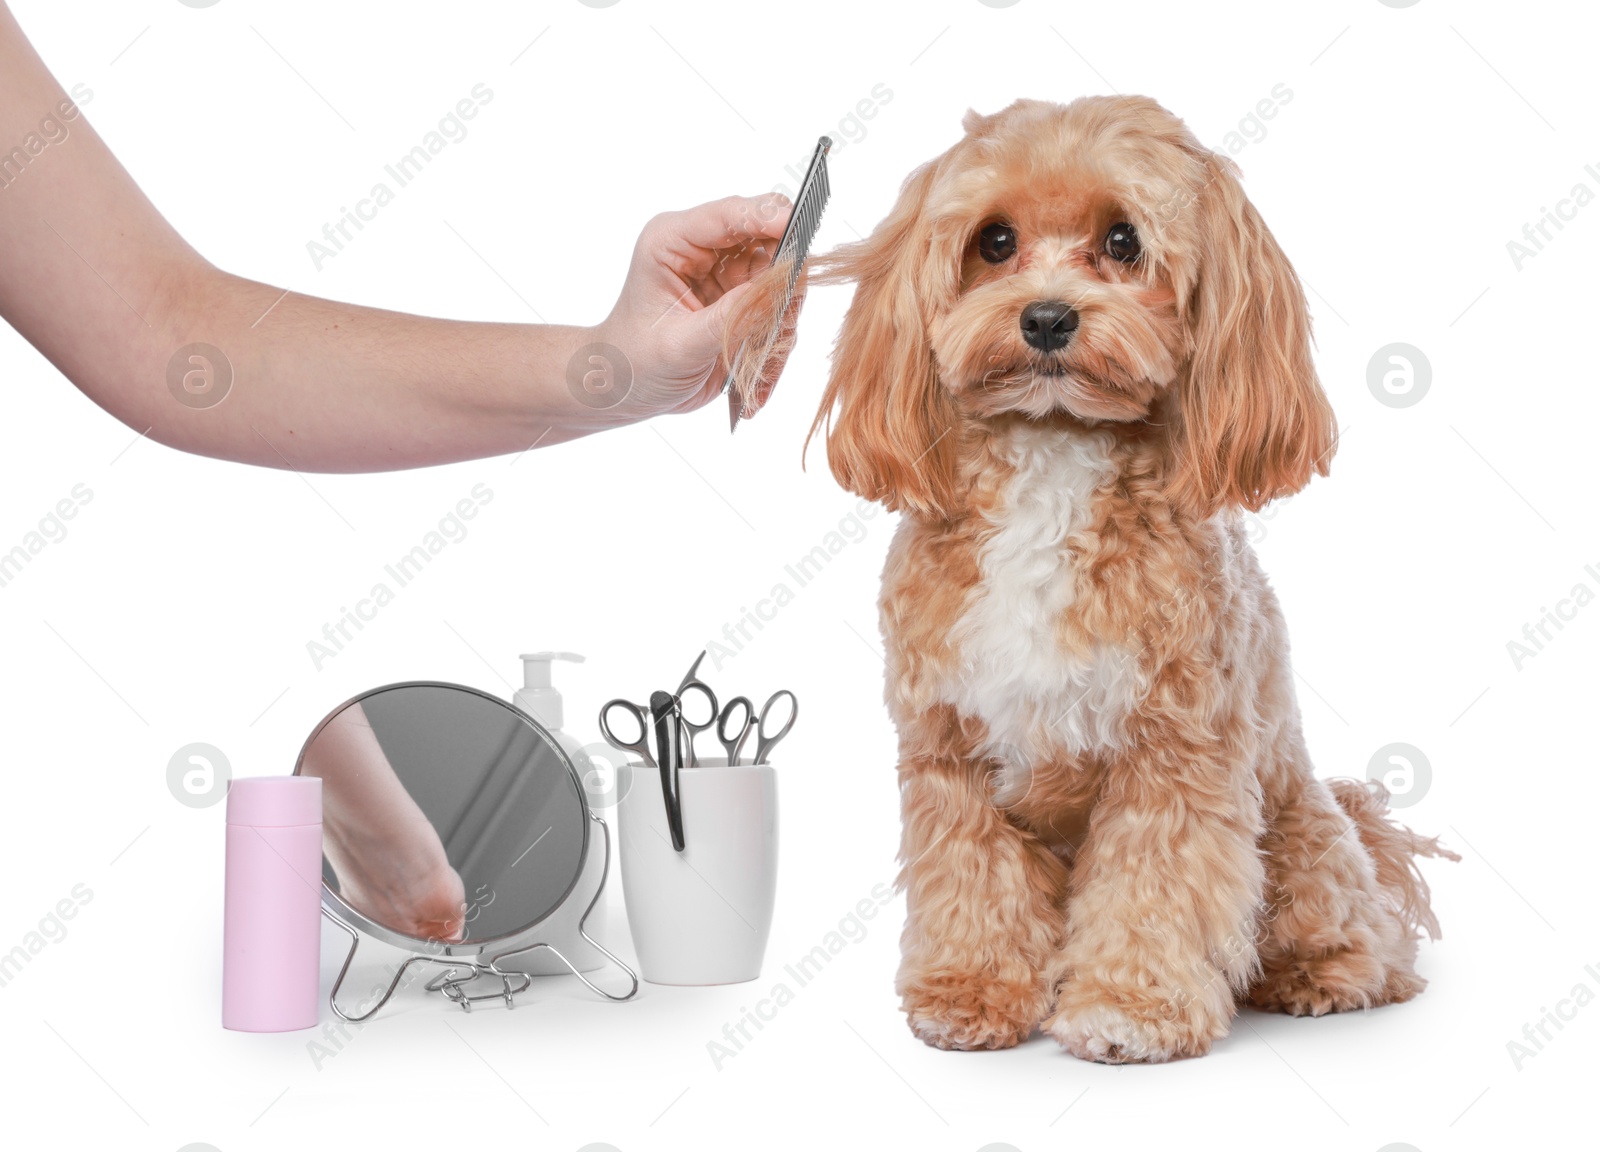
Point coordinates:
[[1074, 354]]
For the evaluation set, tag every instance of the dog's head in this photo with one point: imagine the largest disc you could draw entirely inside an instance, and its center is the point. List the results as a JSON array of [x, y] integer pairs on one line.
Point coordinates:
[[1092, 259]]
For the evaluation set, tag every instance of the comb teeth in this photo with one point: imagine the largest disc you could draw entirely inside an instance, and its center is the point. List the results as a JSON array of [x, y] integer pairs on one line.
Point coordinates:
[[807, 215], [794, 245]]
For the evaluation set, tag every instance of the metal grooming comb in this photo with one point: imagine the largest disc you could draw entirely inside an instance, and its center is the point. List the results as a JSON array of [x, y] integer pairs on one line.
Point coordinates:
[[795, 243]]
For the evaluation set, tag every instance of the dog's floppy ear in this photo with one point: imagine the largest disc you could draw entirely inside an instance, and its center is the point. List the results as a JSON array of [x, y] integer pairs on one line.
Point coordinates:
[[1250, 421], [892, 438]]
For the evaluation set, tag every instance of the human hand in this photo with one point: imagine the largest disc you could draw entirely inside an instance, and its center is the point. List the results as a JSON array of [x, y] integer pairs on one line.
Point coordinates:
[[690, 274]]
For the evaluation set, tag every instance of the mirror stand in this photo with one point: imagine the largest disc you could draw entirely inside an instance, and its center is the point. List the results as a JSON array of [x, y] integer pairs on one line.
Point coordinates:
[[463, 971]]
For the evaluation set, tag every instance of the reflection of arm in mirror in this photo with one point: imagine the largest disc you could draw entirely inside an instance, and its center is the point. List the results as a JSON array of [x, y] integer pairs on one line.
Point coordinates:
[[99, 282], [388, 859]]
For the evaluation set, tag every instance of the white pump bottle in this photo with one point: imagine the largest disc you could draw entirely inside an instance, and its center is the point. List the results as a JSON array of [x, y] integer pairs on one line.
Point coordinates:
[[540, 699]]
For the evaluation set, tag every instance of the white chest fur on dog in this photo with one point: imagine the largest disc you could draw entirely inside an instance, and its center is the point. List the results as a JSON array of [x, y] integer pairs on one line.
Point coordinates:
[[1034, 695]]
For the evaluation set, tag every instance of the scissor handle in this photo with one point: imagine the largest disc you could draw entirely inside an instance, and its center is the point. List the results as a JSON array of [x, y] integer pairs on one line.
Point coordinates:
[[639, 747], [764, 742], [710, 697], [691, 760], [733, 744]]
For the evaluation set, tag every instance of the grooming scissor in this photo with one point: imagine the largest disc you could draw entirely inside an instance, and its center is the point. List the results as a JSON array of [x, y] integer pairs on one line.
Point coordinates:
[[665, 716], [692, 683], [732, 743], [733, 740], [675, 734], [646, 717], [641, 716]]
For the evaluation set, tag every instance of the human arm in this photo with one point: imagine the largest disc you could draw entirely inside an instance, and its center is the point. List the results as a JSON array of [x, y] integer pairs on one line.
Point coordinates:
[[95, 278]]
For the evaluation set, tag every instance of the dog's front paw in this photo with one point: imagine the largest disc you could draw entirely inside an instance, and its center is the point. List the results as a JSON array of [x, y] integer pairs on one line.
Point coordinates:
[[972, 1012], [1113, 1026]]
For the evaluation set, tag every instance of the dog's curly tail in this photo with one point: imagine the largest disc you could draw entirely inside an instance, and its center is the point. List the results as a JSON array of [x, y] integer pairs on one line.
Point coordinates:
[[1394, 850]]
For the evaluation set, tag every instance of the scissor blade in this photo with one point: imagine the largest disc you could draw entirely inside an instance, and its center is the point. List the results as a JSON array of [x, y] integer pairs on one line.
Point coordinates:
[[694, 670]]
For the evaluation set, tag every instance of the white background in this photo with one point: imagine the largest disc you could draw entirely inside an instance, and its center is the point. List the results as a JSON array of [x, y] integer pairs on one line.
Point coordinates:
[[178, 609]]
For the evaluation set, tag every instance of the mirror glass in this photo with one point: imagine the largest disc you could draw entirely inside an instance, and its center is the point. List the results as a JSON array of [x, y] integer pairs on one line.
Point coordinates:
[[448, 815]]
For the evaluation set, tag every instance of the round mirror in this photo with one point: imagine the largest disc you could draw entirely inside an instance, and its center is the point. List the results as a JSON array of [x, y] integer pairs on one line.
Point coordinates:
[[450, 818]]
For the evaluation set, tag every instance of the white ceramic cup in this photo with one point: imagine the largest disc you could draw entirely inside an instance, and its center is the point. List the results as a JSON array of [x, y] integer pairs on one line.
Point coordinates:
[[700, 916]]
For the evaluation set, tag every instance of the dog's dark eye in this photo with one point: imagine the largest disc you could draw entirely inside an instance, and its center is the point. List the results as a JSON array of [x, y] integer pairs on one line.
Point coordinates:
[[1122, 243], [997, 243]]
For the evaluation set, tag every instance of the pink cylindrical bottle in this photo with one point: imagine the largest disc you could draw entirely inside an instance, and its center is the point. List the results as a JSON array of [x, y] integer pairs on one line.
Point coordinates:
[[272, 904]]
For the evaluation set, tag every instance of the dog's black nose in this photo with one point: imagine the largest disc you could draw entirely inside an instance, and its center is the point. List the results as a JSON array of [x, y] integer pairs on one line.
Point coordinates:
[[1048, 324]]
